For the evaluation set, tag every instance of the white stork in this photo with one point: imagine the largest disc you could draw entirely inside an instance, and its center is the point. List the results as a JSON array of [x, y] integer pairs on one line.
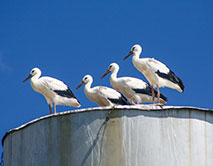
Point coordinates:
[[102, 95], [157, 73], [134, 89], [54, 91]]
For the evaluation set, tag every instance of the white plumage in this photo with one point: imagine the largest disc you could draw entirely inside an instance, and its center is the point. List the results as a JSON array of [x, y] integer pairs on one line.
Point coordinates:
[[54, 91], [134, 89], [157, 73], [102, 95]]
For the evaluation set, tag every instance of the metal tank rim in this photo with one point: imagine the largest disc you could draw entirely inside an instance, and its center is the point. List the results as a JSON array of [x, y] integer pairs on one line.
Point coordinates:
[[140, 107]]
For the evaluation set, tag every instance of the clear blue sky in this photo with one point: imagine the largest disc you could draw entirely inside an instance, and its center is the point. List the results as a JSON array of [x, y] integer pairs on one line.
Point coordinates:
[[69, 39]]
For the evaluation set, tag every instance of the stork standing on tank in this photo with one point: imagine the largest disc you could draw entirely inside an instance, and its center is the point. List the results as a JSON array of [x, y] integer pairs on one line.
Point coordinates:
[[157, 73], [102, 95], [134, 89], [55, 91]]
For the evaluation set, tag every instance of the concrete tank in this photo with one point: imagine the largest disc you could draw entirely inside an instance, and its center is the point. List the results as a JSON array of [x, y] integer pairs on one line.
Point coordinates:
[[143, 135]]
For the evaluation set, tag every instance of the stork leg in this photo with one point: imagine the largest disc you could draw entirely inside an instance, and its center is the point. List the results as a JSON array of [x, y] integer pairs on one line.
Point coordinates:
[[158, 95], [54, 108], [50, 109], [153, 94]]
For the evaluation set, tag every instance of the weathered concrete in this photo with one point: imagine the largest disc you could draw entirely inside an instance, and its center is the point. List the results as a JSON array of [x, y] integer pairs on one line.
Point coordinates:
[[133, 136]]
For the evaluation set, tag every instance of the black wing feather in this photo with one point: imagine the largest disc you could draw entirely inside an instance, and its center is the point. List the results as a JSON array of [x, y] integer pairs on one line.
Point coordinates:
[[171, 77], [65, 93], [122, 100], [148, 91]]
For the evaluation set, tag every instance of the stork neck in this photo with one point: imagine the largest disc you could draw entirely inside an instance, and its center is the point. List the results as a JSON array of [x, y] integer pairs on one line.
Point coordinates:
[[136, 55], [135, 58], [87, 87], [114, 75], [35, 77]]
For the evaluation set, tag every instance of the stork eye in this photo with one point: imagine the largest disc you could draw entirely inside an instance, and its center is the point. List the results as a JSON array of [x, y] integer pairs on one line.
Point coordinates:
[[133, 48], [86, 78], [33, 71], [110, 66]]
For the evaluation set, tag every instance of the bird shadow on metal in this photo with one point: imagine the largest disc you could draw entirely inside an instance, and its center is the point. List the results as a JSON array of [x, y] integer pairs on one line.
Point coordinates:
[[104, 124]]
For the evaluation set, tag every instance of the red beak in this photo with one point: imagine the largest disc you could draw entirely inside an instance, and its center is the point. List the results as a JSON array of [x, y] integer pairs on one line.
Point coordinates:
[[28, 77], [107, 72], [130, 53], [81, 83]]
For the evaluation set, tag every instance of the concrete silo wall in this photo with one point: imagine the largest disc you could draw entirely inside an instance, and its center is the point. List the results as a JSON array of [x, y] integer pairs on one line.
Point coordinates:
[[124, 136]]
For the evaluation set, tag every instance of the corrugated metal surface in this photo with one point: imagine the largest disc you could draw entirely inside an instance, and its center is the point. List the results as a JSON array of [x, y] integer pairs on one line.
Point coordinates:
[[133, 136]]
